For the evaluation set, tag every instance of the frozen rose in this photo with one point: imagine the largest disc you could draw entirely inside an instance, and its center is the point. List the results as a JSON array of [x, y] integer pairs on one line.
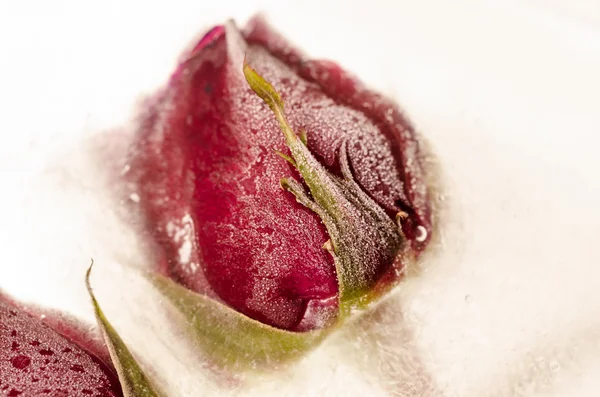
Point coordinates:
[[209, 165]]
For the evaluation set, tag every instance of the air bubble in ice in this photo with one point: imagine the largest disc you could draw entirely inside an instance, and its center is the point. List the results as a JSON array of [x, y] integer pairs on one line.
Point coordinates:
[[421, 234]]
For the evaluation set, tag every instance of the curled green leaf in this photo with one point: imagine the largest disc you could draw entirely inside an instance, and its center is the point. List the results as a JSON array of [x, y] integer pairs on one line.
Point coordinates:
[[229, 338], [133, 380], [364, 241]]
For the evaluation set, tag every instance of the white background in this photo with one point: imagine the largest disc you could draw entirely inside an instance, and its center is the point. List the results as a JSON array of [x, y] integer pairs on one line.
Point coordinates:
[[507, 93]]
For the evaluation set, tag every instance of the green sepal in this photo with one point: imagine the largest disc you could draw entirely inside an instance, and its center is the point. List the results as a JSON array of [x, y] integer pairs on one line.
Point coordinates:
[[286, 158], [134, 381], [365, 241], [229, 338]]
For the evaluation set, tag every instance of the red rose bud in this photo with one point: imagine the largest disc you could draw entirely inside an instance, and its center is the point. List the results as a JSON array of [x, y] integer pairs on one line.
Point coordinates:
[[211, 160], [35, 360]]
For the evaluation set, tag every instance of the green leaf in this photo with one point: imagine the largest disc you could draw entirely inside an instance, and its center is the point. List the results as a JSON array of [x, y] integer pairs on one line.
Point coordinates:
[[229, 338], [365, 241], [133, 380]]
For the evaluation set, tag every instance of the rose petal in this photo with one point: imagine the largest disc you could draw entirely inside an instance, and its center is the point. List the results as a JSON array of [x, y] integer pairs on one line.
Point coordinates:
[[36, 360]]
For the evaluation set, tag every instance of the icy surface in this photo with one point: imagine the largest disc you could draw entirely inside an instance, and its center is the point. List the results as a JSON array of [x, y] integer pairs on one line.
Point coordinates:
[[506, 94]]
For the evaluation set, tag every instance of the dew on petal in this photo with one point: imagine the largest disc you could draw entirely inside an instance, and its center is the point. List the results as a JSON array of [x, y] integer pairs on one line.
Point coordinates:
[[36, 360], [20, 362]]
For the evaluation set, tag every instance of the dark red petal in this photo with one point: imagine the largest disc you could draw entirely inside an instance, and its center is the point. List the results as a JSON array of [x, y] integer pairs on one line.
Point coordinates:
[[35, 360]]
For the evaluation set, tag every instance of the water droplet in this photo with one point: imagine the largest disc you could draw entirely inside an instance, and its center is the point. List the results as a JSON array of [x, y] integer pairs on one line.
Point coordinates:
[[134, 197], [125, 169], [20, 361], [421, 234], [468, 298], [46, 352]]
